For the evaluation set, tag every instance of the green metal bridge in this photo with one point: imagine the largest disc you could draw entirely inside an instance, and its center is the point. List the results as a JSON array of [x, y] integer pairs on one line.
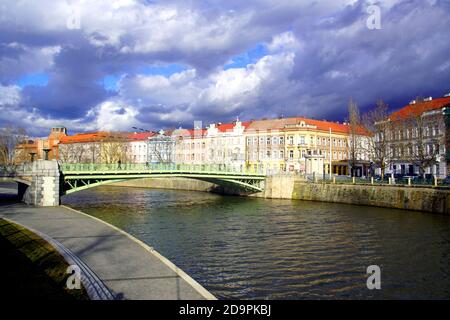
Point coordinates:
[[77, 177]]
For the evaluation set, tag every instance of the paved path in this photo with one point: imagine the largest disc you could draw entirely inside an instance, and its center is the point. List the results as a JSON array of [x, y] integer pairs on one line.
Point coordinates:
[[129, 268]]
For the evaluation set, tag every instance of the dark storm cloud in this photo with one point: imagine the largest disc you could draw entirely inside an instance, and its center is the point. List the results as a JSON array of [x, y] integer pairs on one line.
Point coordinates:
[[336, 57], [394, 63]]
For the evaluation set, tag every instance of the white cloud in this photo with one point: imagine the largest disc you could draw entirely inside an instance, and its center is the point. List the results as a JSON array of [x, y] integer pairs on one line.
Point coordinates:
[[27, 59], [114, 115], [9, 95], [222, 91], [285, 41]]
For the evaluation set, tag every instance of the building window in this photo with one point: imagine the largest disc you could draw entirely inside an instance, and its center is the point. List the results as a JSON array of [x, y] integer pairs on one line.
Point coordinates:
[[261, 140], [291, 140], [291, 154], [281, 140]]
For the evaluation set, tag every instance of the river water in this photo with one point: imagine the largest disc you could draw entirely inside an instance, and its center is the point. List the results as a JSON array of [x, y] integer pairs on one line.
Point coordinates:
[[244, 248]]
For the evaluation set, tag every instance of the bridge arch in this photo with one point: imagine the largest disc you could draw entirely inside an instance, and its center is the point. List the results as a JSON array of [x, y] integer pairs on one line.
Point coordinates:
[[75, 184], [77, 177]]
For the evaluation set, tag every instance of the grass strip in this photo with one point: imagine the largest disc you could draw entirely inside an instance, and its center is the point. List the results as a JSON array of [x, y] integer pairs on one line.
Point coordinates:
[[31, 268]]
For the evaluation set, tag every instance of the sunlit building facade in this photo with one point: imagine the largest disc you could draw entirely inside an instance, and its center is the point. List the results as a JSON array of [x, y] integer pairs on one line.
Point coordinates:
[[298, 145]]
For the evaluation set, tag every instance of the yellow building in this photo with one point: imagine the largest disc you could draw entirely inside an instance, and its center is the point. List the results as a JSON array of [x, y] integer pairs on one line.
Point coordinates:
[[298, 145]]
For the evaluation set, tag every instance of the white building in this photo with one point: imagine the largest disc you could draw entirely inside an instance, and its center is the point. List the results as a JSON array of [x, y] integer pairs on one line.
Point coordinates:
[[138, 146], [225, 144], [161, 147]]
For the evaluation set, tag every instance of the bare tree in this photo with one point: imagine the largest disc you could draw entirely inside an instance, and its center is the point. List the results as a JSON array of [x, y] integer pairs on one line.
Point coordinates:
[[354, 119], [65, 152], [93, 155], [377, 124], [161, 148], [10, 138], [114, 148]]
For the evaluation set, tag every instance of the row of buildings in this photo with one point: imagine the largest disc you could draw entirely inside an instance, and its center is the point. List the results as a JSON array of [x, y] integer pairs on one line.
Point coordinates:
[[294, 144]]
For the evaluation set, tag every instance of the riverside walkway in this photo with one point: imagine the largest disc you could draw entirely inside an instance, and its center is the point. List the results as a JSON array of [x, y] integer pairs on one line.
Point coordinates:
[[128, 267]]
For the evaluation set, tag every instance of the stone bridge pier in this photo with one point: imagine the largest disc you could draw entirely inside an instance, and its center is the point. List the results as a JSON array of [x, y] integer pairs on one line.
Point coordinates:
[[39, 183]]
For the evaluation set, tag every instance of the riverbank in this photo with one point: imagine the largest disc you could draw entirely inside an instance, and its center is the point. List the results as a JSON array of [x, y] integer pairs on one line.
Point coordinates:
[[291, 187], [127, 266]]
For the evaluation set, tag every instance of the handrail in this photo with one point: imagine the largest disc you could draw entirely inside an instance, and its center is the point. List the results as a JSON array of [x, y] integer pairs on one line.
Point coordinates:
[[160, 167]]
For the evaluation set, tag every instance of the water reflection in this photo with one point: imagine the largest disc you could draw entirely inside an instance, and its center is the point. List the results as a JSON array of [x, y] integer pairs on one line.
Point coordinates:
[[277, 249]]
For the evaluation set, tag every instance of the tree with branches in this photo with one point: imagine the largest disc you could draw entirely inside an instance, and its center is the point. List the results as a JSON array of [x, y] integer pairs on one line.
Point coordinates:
[[10, 155], [376, 122], [354, 120], [161, 147], [113, 148]]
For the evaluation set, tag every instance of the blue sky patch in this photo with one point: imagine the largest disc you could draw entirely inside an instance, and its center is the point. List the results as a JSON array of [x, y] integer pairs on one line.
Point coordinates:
[[249, 57], [111, 83], [163, 70], [35, 79]]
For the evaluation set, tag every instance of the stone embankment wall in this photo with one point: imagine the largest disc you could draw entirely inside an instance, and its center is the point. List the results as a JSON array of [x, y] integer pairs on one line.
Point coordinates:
[[293, 187], [409, 198], [168, 183]]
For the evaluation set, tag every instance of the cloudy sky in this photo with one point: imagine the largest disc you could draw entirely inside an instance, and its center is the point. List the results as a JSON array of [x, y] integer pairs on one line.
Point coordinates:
[[115, 64]]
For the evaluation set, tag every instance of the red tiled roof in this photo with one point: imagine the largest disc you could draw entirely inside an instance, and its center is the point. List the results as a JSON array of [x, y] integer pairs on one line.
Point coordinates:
[[140, 136], [412, 110], [83, 137], [91, 137], [289, 123]]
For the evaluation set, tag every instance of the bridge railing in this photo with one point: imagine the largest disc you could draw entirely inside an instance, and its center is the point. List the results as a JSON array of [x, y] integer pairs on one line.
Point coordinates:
[[159, 167]]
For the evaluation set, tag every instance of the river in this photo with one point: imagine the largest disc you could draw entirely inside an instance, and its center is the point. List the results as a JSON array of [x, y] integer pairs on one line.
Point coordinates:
[[245, 248]]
